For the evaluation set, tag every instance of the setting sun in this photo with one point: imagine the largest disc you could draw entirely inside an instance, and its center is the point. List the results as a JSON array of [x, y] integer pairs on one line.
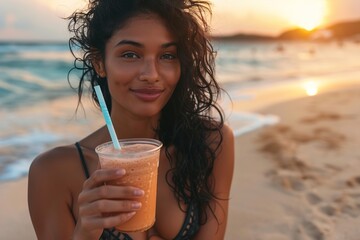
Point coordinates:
[[307, 14], [311, 88]]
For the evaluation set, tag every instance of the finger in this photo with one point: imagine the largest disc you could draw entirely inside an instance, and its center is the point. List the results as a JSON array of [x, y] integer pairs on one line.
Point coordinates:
[[108, 221], [109, 206], [100, 176], [109, 192]]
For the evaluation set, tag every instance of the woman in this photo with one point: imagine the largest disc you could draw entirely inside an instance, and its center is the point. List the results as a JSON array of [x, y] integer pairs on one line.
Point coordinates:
[[155, 67]]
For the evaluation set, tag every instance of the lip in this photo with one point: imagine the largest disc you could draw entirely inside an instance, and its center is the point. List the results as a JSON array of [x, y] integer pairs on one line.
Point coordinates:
[[147, 94]]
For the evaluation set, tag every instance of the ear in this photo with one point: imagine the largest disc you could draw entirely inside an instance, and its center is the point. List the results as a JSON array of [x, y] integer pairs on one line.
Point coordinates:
[[99, 67]]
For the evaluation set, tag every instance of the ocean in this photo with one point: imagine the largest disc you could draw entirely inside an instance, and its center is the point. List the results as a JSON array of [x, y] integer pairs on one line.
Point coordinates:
[[37, 105]]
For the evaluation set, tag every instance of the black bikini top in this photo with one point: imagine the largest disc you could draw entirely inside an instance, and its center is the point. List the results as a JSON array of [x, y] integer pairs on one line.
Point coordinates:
[[189, 228]]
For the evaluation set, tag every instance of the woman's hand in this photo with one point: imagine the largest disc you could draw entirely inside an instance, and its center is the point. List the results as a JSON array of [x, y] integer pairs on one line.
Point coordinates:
[[105, 206]]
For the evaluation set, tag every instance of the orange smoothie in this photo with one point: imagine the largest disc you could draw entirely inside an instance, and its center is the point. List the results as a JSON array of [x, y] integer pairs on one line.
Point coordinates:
[[140, 159]]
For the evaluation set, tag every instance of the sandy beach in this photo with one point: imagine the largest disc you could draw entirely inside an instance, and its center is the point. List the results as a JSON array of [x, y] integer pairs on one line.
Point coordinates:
[[300, 179], [296, 180], [15, 221]]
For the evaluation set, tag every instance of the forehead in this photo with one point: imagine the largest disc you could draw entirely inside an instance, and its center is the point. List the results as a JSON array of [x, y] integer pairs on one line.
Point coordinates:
[[144, 27]]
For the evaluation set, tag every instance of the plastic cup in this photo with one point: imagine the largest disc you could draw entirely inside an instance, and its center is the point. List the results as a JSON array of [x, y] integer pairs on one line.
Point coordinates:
[[140, 159]]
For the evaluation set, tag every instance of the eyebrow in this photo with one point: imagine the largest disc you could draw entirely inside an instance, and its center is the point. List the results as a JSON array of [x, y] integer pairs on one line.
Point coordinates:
[[139, 45]]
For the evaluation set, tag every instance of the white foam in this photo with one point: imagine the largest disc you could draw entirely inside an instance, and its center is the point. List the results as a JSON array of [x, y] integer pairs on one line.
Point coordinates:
[[15, 170], [244, 122], [31, 138], [11, 87], [241, 121], [49, 55], [27, 77]]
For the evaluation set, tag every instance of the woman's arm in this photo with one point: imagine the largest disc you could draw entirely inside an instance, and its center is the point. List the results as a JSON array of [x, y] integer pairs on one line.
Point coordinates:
[[50, 199], [214, 229]]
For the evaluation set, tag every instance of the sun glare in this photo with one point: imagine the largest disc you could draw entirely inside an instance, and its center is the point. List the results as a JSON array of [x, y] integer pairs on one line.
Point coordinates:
[[307, 14], [311, 88]]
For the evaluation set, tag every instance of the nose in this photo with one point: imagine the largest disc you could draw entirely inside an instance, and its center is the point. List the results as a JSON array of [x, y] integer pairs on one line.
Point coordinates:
[[149, 71]]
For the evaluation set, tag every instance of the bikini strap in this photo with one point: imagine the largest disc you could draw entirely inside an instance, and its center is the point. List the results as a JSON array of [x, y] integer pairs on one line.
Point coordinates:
[[191, 224], [82, 158]]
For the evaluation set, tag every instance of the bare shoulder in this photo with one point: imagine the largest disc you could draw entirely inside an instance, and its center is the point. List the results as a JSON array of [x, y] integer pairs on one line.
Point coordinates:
[[226, 154], [54, 160], [59, 167], [228, 134], [54, 181], [224, 162]]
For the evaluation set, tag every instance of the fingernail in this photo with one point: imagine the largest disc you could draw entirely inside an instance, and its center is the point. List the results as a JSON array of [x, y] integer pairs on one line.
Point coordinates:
[[136, 205], [120, 172], [139, 192], [130, 214]]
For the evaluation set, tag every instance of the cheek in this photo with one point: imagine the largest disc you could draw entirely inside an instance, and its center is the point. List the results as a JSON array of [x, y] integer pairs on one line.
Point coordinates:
[[121, 76], [174, 76], [118, 83]]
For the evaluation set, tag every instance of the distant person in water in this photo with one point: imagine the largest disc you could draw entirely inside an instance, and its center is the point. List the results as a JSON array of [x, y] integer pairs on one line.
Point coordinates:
[[125, 46]]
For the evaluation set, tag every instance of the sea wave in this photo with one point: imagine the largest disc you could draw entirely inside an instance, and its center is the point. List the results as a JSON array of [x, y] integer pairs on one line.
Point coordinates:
[[33, 74]]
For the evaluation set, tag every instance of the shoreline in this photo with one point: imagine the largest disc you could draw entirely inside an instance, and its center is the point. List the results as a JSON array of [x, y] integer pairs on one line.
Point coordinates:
[[251, 98], [243, 114]]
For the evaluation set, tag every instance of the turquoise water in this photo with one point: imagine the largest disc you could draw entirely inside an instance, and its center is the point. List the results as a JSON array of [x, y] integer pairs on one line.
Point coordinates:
[[30, 73], [34, 90]]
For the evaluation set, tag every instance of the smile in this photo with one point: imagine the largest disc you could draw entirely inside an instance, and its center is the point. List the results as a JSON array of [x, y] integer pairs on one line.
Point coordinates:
[[147, 94]]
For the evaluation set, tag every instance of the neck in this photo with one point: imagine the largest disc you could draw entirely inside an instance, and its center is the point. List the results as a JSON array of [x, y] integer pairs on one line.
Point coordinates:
[[127, 126]]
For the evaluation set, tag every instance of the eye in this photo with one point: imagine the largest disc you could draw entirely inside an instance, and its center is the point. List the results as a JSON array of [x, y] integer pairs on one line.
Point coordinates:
[[130, 55], [168, 56]]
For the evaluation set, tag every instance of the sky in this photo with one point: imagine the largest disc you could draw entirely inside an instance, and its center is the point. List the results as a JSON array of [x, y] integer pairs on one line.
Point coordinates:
[[43, 19]]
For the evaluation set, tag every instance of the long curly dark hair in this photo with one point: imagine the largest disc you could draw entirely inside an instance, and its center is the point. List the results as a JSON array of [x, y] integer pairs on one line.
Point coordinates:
[[191, 118]]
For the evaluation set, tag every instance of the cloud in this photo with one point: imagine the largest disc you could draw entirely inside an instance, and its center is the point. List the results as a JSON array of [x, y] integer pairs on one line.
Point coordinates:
[[8, 31], [28, 20], [9, 20], [10, 34]]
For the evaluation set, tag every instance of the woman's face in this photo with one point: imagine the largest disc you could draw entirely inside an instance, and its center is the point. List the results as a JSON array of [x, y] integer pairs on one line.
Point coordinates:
[[141, 66]]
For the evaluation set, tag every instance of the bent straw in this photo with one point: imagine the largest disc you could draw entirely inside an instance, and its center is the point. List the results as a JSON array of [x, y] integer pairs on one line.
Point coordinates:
[[107, 118]]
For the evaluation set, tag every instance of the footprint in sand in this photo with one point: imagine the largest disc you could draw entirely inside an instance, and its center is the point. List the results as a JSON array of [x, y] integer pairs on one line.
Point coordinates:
[[322, 116], [294, 183], [329, 138], [313, 231], [318, 204], [325, 116], [353, 182], [349, 202], [281, 143], [317, 223], [313, 198], [329, 210], [350, 210]]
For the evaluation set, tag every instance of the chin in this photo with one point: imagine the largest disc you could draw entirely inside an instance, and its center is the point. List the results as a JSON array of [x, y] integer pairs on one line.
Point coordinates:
[[146, 113]]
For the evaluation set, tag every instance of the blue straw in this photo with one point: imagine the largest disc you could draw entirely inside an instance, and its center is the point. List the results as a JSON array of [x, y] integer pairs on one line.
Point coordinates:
[[107, 118]]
